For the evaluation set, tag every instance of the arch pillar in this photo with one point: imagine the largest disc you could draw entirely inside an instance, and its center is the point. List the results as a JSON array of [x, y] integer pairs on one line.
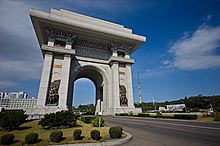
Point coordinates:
[[64, 86], [45, 79]]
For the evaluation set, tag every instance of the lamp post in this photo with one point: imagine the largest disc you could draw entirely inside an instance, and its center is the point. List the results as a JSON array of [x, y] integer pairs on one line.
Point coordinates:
[[100, 115]]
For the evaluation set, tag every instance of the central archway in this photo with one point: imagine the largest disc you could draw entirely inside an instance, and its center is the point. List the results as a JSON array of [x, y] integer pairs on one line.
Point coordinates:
[[84, 93], [94, 74]]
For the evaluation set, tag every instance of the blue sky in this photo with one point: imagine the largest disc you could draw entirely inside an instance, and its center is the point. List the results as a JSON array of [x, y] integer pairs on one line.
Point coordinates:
[[180, 58]]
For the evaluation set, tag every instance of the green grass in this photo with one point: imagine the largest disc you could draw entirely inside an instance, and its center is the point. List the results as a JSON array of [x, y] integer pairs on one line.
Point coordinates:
[[205, 119], [44, 135]]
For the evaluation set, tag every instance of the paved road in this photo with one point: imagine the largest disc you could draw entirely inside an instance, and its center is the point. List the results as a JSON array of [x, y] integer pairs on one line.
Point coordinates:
[[162, 132]]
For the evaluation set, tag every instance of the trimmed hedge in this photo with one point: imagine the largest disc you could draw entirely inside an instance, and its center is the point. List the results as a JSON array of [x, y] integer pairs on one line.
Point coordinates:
[[56, 136], [143, 115], [115, 132], [31, 138], [7, 139], [95, 135], [185, 117], [122, 114], [88, 119], [77, 134], [216, 116]]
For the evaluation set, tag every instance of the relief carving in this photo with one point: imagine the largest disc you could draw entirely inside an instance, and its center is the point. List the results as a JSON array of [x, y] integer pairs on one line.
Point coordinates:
[[123, 98], [92, 53], [53, 95]]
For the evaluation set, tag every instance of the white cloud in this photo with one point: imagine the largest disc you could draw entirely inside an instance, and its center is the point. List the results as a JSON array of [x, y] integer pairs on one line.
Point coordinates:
[[7, 84], [20, 69], [207, 18], [197, 51]]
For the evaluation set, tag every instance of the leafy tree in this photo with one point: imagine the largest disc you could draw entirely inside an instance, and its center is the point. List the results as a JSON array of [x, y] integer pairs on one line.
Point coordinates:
[[193, 103], [9, 120], [58, 119], [89, 109]]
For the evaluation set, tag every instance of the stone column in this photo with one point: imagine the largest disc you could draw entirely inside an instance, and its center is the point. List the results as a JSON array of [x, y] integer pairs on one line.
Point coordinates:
[[64, 82], [68, 45], [114, 51], [115, 85], [127, 55], [129, 86], [45, 79]]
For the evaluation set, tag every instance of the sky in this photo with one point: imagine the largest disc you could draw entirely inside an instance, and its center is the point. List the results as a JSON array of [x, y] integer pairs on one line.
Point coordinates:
[[181, 56]]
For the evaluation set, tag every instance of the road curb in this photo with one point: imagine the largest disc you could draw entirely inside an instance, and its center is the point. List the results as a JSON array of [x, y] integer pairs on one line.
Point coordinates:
[[109, 143]]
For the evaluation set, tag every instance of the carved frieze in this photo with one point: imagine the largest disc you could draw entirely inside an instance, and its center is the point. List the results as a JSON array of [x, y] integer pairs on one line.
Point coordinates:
[[53, 95], [92, 44], [62, 34], [92, 53], [123, 98]]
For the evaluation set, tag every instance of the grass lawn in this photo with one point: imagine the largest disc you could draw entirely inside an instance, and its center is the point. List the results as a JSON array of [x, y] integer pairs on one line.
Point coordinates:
[[44, 135], [205, 119]]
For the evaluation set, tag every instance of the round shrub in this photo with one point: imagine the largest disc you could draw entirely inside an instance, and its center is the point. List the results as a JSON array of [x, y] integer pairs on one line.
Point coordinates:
[[31, 138], [7, 139], [56, 136], [95, 135], [115, 132], [77, 134]]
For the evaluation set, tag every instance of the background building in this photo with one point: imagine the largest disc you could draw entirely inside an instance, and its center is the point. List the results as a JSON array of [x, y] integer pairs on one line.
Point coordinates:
[[16, 100]]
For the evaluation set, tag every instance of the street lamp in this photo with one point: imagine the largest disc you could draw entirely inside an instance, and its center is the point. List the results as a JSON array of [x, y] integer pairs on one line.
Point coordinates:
[[100, 115]]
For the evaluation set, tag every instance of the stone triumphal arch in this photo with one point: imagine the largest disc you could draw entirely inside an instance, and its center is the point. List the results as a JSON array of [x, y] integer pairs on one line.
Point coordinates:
[[77, 46]]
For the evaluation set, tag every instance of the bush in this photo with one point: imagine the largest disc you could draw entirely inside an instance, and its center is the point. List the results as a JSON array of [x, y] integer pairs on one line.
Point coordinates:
[[122, 114], [58, 119], [9, 120], [31, 138], [115, 132], [7, 139], [216, 116], [185, 117], [95, 135], [56, 136], [159, 115], [88, 119], [143, 115], [95, 122], [77, 134], [130, 113]]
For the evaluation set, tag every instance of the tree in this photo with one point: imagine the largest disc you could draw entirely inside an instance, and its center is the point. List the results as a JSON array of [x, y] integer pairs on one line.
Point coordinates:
[[89, 109], [9, 120]]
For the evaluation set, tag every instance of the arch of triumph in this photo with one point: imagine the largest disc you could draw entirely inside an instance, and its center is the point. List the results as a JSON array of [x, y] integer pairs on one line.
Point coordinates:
[[77, 46]]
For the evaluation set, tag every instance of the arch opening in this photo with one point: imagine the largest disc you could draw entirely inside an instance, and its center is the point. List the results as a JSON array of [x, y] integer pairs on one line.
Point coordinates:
[[84, 90], [95, 76]]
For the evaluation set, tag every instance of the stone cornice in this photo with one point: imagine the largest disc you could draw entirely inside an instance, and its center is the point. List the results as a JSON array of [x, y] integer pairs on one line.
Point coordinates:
[[58, 50], [120, 46], [86, 25], [121, 60]]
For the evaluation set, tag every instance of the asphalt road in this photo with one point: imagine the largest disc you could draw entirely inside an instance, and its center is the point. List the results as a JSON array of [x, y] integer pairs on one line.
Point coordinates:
[[162, 132]]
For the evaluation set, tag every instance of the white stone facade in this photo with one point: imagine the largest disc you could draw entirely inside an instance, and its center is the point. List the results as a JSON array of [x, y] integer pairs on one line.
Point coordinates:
[[76, 46]]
